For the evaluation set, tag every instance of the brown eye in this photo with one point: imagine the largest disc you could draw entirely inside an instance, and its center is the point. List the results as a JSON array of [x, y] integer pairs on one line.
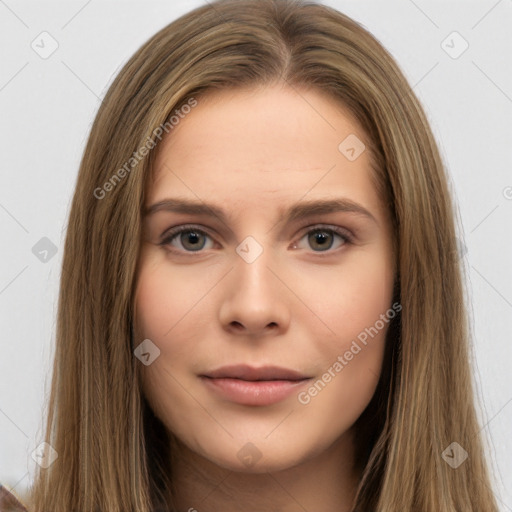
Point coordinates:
[[192, 240], [323, 239], [320, 239], [188, 239]]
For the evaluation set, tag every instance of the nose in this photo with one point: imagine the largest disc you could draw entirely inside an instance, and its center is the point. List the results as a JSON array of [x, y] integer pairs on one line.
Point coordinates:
[[256, 299]]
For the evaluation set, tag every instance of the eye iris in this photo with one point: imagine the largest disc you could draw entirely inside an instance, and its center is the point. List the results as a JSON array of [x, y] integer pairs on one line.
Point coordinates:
[[320, 237], [192, 237]]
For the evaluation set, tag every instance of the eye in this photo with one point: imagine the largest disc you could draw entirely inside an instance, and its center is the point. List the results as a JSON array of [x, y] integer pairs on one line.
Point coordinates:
[[188, 238], [323, 238]]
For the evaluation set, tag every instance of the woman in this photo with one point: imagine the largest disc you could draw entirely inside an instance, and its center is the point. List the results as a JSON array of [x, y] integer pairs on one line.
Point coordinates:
[[262, 373]]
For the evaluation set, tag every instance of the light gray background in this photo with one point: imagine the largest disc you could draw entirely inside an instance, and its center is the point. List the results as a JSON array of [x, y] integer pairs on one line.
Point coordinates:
[[48, 105]]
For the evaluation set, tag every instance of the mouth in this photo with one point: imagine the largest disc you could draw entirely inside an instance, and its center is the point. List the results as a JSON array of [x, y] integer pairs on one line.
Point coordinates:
[[249, 373], [246, 385]]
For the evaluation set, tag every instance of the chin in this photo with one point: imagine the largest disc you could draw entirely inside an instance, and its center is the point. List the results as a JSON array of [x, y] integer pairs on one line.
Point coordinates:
[[256, 457]]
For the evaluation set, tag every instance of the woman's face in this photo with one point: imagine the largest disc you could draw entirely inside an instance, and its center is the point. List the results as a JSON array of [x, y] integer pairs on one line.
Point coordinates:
[[295, 298]]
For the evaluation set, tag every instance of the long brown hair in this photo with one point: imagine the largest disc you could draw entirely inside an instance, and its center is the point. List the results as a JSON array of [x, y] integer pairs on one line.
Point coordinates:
[[113, 453]]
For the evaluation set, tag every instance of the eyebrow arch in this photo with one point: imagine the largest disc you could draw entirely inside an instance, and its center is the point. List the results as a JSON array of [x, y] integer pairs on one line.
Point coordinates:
[[297, 211]]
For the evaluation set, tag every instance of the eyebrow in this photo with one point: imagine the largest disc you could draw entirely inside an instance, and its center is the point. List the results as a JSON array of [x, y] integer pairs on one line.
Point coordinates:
[[297, 211]]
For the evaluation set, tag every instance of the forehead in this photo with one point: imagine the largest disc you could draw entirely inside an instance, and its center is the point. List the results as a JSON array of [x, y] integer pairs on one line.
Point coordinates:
[[273, 144]]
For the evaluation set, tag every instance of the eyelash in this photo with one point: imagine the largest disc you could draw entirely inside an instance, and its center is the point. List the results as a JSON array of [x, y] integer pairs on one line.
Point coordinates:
[[174, 232]]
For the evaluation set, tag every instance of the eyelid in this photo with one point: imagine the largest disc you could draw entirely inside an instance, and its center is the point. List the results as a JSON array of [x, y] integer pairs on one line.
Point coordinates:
[[344, 232], [171, 233], [182, 227]]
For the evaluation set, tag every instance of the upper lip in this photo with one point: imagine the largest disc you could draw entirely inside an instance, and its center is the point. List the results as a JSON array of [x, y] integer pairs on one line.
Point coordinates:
[[245, 372]]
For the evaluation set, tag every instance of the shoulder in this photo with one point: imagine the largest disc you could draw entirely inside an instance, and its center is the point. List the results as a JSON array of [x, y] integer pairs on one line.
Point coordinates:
[[8, 503]]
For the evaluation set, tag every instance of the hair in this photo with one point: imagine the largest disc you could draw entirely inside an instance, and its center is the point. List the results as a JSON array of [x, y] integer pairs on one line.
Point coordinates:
[[113, 453]]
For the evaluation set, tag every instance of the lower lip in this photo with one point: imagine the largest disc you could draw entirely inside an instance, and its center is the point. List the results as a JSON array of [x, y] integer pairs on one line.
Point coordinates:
[[244, 392]]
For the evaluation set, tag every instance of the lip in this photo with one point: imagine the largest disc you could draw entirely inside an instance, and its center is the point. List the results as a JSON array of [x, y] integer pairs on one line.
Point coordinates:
[[253, 392], [245, 372], [246, 385]]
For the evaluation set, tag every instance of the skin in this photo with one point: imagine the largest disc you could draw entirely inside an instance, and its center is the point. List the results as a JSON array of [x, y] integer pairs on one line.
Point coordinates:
[[298, 305]]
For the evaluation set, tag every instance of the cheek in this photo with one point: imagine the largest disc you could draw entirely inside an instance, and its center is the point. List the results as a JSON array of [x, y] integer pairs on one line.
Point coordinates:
[[163, 299], [154, 310], [169, 311], [356, 305], [352, 298], [159, 316]]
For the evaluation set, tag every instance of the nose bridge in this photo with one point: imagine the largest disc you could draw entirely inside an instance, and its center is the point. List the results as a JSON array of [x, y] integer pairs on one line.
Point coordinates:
[[255, 297], [251, 269]]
